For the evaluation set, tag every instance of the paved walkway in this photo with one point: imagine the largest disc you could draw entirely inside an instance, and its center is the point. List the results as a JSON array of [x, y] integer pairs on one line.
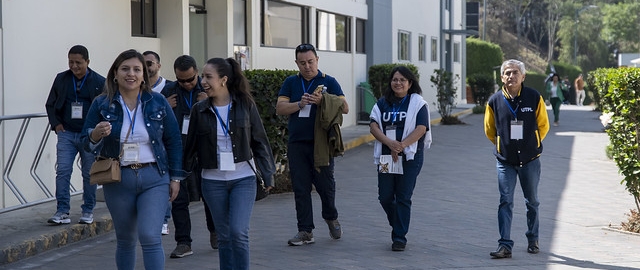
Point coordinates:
[[453, 226]]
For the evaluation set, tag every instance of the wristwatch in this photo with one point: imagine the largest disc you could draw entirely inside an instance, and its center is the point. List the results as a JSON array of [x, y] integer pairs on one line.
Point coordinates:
[[175, 180]]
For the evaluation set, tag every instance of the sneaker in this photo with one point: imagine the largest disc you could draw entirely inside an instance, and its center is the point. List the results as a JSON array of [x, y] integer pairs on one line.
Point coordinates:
[[181, 251], [213, 240], [302, 238], [398, 246], [60, 218], [87, 218], [335, 231], [165, 229]]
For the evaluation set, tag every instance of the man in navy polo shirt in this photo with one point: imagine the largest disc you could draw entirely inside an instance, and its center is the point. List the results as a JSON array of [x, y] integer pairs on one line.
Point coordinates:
[[299, 101], [69, 100]]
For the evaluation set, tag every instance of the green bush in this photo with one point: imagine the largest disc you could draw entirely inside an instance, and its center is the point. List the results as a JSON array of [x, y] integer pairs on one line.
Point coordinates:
[[265, 85], [445, 83], [379, 76], [482, 56], [619, 93], [536, 81], [481, 87]]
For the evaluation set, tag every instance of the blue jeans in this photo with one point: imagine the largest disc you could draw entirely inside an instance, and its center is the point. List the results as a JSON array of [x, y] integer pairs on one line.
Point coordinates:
[[68, 146], [303, 175], [394, 194], [137, 206], [529, 175], [231, 204]]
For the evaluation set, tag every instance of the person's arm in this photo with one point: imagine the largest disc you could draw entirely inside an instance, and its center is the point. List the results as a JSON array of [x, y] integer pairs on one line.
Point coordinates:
[[543, 119], [261, 148], [50, 106], [490, 124], [394, 146], [285, 107]]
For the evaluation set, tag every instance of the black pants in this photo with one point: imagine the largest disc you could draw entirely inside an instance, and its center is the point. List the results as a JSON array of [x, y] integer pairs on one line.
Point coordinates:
[[180, 208]]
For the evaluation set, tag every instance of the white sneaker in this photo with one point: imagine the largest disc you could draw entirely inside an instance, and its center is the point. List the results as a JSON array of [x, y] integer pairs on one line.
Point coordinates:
[[165, 229], [87, 218], [59, 218]]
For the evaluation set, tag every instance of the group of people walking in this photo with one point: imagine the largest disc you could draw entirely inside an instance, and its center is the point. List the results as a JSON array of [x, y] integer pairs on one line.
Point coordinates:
[[201, 137]]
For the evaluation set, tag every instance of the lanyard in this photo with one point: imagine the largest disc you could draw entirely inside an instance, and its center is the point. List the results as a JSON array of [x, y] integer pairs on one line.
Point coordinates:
[[157, 82], [306, 89], [135, 111], [510, 108], [190, 101], [75, 85], [225, 126], [395, 111]]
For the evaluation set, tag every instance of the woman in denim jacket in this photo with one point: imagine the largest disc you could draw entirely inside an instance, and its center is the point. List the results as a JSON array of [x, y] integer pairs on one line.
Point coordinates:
[[150, 157], [226, 134]]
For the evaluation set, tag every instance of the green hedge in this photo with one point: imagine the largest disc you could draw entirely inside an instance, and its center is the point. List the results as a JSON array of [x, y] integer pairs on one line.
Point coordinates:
[[379, 76], [536, 81], [482, 56]]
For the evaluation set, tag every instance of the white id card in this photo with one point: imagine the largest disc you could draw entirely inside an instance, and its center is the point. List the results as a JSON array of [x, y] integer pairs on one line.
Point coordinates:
[[185, 125], [388, 166], [226, 161], [305, 111], [130, 152], [391, 132], [516, 130], [76, 110]]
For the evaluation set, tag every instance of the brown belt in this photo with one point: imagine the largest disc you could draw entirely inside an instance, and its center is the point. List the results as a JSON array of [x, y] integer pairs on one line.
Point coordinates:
[[137, 166]]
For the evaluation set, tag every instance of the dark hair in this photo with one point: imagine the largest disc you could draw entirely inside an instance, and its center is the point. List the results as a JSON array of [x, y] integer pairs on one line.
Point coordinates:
[[184, 63], [154, 55], [81, 50], [411, 78], [238, 84], [111, 86], [305, 47], [555, 75]]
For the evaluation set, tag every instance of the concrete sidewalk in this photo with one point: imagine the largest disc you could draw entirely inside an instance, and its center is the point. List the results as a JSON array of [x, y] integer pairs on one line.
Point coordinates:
[[454, 223]]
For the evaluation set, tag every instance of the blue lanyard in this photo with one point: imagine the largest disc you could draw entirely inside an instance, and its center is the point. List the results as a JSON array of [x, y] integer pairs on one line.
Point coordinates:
[[157, 82], [135, 111], [395, 111], [75, 85], [306, 89], [190, 101], [225, 126], [510, 108]]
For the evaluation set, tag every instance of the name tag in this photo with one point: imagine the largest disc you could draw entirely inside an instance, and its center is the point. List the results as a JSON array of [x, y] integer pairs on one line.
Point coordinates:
[[185, 124], [391, 132], [305, 111], [516, 130], [226, 161], [130, 152], [76, 110]]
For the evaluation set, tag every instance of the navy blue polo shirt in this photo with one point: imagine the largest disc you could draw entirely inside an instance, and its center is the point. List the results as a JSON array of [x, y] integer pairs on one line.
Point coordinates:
[[302, 128], [398, 110]]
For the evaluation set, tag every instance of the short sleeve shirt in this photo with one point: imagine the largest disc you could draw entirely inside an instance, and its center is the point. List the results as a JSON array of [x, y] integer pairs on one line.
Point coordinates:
[[395, 113]]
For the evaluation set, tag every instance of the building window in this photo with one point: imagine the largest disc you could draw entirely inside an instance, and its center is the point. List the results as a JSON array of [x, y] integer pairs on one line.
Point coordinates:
[[422, 48], [456, 52], [360, 36], [333, 32], [404, 39], [283, 24], [434, 49], [239, 22], [143, 18]]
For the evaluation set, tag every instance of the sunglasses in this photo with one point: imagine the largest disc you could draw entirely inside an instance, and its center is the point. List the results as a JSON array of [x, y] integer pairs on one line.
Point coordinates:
[[187, 80], [305, 47], [150, 63]]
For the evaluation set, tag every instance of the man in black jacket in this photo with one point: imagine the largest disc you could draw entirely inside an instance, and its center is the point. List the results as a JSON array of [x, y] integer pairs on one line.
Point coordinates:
[[69, 100]]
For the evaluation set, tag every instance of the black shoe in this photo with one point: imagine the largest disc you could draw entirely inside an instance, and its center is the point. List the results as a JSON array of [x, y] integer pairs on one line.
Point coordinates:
[[533, 247], [213, 240], [397, 246], [502, 252]]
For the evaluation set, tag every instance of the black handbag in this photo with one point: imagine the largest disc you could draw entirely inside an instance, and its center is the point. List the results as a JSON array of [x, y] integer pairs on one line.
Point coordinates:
[[261, 190]]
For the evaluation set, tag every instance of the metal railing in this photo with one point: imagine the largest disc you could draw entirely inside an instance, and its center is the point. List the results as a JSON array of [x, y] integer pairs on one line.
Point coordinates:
[[11, 159]]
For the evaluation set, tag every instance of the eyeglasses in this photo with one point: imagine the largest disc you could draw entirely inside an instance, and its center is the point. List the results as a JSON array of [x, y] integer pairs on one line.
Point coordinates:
[[150, 63], [400, 81], [305, 47], [187, 80]]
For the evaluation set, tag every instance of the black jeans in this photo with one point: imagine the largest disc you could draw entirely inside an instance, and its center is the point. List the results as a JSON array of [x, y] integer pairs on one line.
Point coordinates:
[[180, 209]]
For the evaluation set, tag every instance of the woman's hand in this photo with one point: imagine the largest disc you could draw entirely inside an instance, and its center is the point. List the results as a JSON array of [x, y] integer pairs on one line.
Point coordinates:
[[102, 129], [174, 188]]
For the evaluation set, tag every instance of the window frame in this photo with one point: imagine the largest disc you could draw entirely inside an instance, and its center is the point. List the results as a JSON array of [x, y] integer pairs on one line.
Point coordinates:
[[142, 17], [422, 48], [404, 45], [361, 34], [347, 32], [434, 49], [304, 25], [456, 52]]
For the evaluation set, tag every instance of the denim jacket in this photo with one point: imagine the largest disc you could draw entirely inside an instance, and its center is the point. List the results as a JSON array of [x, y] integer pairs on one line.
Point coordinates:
[[159, 121], [247, 133]]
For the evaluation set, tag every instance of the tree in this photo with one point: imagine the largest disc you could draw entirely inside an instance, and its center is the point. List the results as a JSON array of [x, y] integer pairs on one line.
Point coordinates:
[[621, 25]]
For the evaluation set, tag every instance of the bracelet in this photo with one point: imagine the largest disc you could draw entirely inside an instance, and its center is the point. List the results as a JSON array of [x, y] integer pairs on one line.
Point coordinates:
[[175, 180], [299, 107]]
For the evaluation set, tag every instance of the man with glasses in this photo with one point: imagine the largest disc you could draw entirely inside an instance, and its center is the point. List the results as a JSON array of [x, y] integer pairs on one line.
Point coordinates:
[[69, 100], [299, 100], [152, 60], [182, 95]]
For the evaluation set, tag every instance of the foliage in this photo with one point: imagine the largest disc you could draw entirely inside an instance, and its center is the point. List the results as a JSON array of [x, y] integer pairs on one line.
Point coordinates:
[[621, 25], [619, 92], [264, 87], [379, 76], [481, 87], [478, 109], [445, 83], [633, 222], [482, 56], [536, 81]]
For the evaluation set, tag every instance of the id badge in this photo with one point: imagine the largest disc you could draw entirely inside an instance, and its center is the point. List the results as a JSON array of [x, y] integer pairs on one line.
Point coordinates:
[[305, 111], [226, 161], [185, 124], [130, 152], [516, 130], [76, 110], [391, 132]]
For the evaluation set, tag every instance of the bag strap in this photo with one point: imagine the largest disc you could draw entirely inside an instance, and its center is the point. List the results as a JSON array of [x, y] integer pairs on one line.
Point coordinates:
[[128, 132]]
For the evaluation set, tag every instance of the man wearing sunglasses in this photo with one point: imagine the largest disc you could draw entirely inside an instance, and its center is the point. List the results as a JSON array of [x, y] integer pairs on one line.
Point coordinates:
[[299, 99], [182, 94], [152, 60]]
